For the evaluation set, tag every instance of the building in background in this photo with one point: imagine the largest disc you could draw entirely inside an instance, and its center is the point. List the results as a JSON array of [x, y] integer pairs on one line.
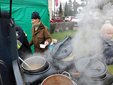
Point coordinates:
[[50, 7], [53, 6]]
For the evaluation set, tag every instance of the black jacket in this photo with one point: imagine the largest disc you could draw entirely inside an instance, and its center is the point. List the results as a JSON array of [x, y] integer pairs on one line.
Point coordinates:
[[25, 49], [108, 51]]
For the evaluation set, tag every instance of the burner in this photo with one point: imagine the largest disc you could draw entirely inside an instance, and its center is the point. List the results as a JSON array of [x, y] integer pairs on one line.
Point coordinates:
[[31, 78]]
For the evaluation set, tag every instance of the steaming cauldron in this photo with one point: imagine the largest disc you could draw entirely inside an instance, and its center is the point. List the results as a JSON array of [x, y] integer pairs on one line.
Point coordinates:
[[37, 65], [91, 67], [93, 70], [58, 79]]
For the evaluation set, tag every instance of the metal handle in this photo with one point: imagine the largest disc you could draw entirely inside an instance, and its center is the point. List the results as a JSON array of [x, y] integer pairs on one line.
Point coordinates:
[[25, 63], [67, 74]]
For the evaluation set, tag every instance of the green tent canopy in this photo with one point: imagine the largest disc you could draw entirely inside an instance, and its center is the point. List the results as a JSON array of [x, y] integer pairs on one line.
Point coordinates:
[[22, 10]]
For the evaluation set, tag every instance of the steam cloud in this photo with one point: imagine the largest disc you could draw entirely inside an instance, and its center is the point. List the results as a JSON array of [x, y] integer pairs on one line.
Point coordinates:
[[87, 41]]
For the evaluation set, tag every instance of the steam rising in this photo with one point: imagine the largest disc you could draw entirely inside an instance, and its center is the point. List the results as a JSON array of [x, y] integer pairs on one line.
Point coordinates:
[[87, 41]]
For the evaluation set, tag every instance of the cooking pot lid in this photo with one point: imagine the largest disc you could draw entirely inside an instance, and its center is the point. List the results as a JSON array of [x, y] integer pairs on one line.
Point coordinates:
[[63, 49], [90, 66], [64, 52]]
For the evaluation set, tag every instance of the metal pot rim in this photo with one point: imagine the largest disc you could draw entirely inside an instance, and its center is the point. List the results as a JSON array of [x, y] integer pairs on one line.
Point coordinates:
[[74, 83], [47, 67], [35, 70], [94, 76]]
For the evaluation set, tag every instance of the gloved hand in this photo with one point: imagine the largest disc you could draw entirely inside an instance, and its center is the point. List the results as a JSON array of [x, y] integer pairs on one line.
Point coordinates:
[[19, 44]]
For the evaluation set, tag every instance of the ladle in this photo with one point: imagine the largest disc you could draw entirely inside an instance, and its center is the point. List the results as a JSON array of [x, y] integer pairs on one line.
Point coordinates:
[[25, 62]]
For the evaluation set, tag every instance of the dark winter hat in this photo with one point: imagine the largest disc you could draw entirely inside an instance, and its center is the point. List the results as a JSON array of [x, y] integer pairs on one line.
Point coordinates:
[[35, 15]]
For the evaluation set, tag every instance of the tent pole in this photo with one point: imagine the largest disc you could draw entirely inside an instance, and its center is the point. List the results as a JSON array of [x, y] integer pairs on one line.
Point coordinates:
[[10, 8]]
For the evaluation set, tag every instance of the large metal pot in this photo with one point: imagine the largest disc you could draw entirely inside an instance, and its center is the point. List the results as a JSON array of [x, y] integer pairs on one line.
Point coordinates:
[[91, 67], [36, 64], [58, 79]]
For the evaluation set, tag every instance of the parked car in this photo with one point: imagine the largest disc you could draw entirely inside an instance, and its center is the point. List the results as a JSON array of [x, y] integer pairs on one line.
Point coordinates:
[[57, 19], [75, 20], [71, 19], [68, 18]]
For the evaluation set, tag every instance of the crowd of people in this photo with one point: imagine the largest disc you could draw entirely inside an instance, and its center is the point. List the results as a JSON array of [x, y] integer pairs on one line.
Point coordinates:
[[41, 38]]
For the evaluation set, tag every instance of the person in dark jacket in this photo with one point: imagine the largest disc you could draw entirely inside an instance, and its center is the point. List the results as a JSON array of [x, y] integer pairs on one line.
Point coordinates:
[[40, 36], [22, 43], [107, 37]]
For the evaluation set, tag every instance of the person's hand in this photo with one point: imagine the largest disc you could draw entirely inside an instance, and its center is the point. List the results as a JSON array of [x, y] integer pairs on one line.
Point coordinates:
[[46, 43]]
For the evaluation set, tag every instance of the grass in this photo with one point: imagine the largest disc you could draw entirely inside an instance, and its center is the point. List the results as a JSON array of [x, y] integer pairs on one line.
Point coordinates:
[[61, 35], [110, 69]]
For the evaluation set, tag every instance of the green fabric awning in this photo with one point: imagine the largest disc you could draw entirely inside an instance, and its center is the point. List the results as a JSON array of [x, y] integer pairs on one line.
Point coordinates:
[[22, 10]]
